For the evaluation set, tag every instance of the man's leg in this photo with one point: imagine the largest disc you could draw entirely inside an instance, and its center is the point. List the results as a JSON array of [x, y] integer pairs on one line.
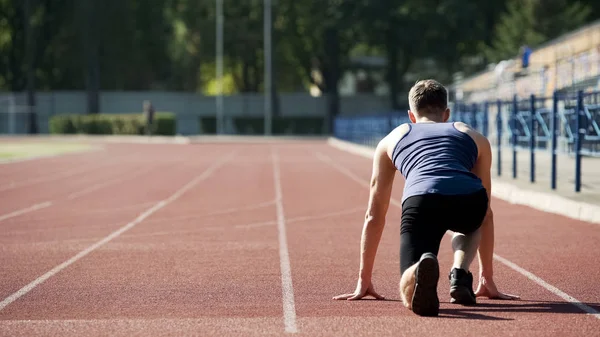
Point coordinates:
[[465, 245], [420, 238], [418, 286], [461, 279], [465, 249]]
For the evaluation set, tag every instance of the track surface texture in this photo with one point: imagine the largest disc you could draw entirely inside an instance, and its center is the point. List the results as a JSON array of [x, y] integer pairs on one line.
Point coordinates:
[[253, 239]]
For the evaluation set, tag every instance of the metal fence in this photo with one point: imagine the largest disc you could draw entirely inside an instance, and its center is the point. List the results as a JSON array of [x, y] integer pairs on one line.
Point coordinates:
[[564, 123]]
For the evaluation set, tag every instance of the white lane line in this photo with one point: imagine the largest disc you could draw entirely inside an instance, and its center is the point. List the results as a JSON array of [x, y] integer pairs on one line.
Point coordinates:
[[64, 217], [350, 174], [116, 209], [256, 225], [52, 177], [289, 307], [203, 176], [26, 210], [70, 197], [508, 263], [221, 228], [326, 215], [549, 287], [98, 186], [227, 211]]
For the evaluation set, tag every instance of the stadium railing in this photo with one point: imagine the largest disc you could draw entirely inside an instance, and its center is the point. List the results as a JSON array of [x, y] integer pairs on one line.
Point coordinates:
[[562, 124]]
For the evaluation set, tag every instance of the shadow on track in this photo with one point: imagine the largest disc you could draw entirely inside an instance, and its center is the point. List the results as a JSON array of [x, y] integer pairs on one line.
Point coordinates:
[[483, 310]]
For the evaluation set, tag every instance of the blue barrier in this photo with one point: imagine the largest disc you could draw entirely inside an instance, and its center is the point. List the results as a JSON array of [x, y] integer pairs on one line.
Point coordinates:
[[563, 123]]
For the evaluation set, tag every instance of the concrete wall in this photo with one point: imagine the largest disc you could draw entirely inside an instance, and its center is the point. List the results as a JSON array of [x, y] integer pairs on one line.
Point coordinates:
[[188, 107]]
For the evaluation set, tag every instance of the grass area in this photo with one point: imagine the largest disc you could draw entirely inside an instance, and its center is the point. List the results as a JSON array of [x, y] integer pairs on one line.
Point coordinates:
[[26, 150]]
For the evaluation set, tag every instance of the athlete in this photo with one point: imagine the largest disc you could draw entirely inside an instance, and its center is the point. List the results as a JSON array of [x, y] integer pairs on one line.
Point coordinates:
[[447, 171]]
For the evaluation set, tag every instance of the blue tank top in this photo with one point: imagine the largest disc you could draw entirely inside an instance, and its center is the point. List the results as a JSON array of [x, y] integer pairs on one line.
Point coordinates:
[[436, 158]]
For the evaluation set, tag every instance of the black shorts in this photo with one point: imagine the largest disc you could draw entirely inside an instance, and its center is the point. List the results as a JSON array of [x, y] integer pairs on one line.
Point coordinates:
[[426, 218]]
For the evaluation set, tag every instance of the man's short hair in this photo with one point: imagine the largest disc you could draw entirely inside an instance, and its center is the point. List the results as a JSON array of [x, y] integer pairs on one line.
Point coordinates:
[[428, 97]]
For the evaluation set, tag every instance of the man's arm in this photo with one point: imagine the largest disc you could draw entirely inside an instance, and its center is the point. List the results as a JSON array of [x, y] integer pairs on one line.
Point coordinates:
[[380, 190], [483, 169]]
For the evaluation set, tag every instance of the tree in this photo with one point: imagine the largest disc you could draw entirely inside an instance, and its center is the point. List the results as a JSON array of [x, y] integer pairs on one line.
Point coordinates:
[[30, 45], [319, 36], [532, 22]]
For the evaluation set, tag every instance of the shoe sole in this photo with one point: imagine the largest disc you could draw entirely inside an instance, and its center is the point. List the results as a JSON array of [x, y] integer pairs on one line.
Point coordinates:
[[461, 295], [425, 300]]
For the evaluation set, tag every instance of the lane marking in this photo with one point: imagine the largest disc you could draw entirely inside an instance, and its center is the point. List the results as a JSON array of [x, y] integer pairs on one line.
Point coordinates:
[[202, 229], [26, 210], [53, 177], [66, 217], [326, 215], [227, 211], [256, 225], [203, 176], [549, 287], [98, 186], [350, 174], [508, 263], [289, 307], [116, 209], [72, 196]]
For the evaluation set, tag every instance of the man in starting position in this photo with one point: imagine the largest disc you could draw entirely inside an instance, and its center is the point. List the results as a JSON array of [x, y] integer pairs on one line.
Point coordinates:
[[447, 167]]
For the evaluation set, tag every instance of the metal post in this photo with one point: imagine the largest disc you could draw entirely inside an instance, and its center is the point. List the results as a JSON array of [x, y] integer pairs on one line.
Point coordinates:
[[268, 65], [578, 140], [499, 134], [532, 140], [220, 19], [485, 118], [554, 135], [513, 122], [12, 115], [474, 109]]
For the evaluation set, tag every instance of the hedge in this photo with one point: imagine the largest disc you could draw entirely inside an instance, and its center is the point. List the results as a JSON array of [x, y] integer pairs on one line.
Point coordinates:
[[112, 124], [256, 125]]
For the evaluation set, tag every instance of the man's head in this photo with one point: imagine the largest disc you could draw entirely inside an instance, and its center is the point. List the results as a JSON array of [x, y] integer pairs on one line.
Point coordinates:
[[428, 99]]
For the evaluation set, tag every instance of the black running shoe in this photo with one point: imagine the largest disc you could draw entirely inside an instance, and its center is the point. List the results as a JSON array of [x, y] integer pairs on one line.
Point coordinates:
[[425, 300], [461, 287]]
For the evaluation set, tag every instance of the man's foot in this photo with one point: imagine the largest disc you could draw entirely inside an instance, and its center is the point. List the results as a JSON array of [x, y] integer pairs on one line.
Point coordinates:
[[425, 301], [461, 287]]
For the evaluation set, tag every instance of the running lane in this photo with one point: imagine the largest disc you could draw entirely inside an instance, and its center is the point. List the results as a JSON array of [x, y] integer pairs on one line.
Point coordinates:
[[206, 263], [323, 269], [33, 243], [20, 190]]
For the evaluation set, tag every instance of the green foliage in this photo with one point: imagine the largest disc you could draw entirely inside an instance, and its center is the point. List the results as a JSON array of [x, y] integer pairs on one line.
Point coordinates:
[[171, 44], [112, 124], [533, 22], [208, 125], [281, 125]]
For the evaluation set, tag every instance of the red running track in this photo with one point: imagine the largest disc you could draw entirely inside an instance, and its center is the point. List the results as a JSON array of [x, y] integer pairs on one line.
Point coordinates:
[[242, 239]]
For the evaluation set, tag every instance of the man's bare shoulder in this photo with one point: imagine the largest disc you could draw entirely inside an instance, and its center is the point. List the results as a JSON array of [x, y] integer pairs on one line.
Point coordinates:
[[481, 141], [464, 127], [389, 142]]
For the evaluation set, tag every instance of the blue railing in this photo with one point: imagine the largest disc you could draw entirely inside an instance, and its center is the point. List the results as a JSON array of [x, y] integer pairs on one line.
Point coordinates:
[[563, 123]]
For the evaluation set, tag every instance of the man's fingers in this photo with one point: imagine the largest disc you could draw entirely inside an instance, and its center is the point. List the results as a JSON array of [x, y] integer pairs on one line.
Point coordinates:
[[343, 297], [373, 293], [357, 296], [485, 292], [482, 291], [507, 296]]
